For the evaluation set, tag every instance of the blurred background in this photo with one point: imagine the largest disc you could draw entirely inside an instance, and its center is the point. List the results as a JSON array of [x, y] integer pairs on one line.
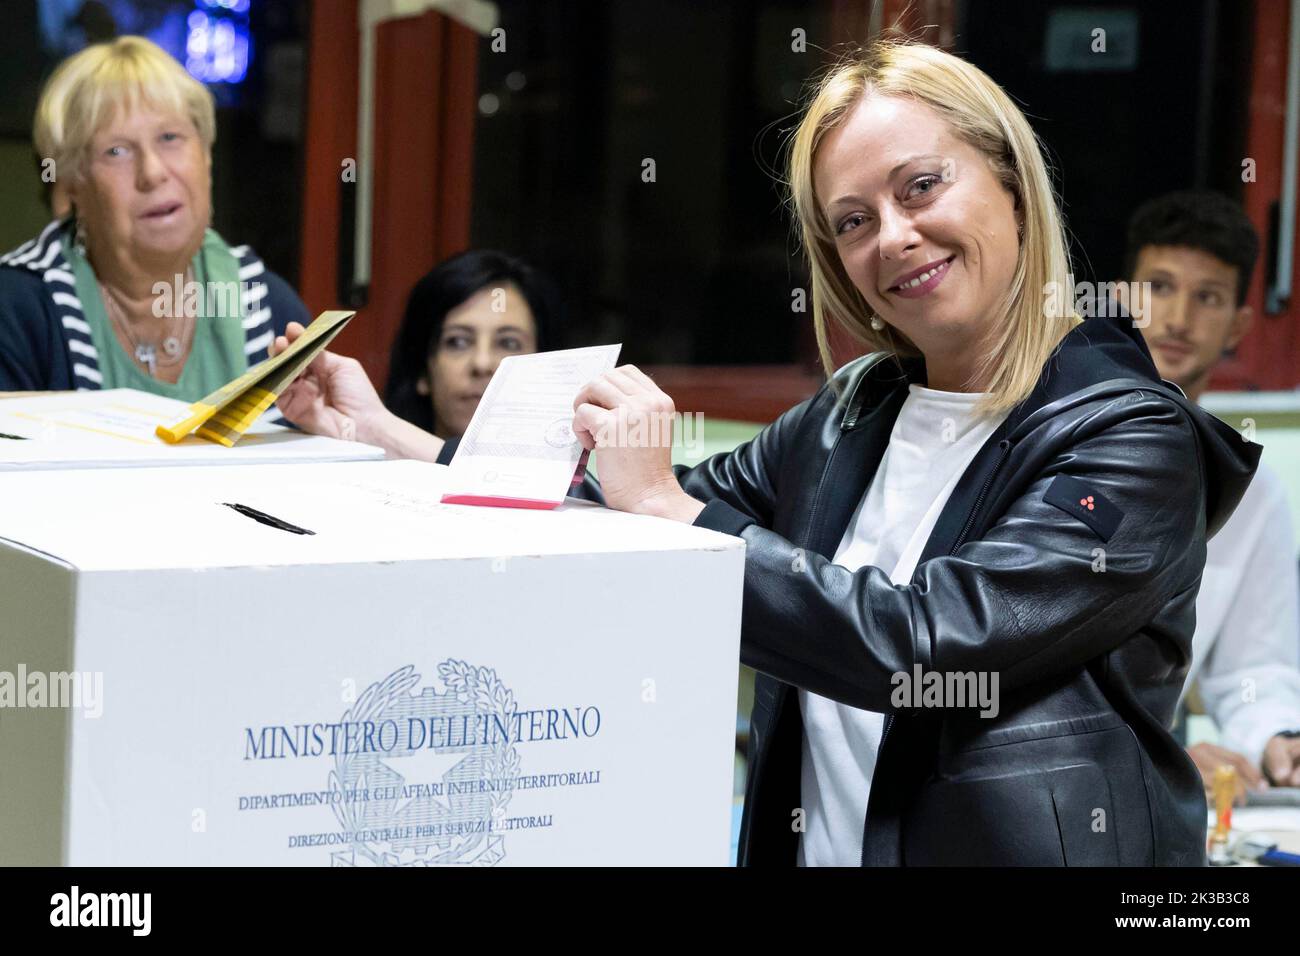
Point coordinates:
[[632, 150], [533, 139]]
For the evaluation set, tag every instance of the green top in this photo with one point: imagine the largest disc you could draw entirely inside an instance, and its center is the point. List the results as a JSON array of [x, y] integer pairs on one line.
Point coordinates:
[[217, 354]]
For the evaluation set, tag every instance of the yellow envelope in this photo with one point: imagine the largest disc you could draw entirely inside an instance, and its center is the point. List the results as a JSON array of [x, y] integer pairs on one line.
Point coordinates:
[[225, 415]]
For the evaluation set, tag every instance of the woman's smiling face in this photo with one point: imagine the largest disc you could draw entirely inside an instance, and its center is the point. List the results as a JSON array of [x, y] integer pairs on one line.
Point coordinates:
[[907, 200]]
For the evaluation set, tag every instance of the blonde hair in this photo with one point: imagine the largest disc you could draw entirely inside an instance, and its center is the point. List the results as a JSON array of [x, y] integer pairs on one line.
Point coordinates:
[[90, 88], [982, 115]]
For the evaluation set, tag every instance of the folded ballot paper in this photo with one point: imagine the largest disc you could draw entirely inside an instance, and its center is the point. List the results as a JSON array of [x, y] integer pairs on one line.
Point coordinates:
[[116, 428], [519, 450], [225, 415]]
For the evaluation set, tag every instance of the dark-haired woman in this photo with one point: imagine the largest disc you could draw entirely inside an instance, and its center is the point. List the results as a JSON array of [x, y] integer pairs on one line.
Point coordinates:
[[461, 320]]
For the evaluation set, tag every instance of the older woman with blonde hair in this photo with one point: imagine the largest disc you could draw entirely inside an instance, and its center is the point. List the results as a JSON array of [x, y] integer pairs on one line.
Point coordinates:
[[972, 557], [133, 289]]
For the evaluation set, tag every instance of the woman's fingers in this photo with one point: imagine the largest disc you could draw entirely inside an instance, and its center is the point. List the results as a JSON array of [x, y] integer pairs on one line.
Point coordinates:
[[625, 385], [638, 411], [600, 391], [291, 402], [650, 397], [282, 342], [322, 365], [590, 421], [636, 374]]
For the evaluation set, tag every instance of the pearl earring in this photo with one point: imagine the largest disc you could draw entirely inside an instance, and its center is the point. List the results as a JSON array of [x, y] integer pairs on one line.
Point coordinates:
[[877, 323]]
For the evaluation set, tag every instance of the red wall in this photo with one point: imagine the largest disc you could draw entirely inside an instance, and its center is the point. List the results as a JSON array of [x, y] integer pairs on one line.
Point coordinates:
[[1269, 356], [426, 91]]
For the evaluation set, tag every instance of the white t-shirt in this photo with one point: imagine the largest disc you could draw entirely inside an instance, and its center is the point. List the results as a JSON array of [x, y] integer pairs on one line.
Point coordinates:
[[934, 438], [1246, 650]]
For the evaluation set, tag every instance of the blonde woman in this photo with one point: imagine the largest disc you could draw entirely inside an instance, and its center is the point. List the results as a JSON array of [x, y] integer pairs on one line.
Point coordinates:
[[133, 289], [973, 556]]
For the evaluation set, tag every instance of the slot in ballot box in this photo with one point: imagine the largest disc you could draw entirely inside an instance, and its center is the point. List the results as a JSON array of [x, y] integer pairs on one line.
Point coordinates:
[[322, 665]]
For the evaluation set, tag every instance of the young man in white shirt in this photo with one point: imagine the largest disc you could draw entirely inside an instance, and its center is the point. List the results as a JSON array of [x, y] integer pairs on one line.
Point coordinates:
[[1197, 251]]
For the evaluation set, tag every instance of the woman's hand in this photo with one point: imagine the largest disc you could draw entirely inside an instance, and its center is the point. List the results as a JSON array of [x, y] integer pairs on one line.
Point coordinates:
[[332, 397], [629, 420]]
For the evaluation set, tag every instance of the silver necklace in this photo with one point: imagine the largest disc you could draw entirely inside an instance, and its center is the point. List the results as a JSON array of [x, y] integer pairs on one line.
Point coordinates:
[[146, 352]]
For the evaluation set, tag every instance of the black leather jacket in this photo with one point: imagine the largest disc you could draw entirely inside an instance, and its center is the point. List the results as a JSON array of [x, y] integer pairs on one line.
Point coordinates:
[[1078, 766]]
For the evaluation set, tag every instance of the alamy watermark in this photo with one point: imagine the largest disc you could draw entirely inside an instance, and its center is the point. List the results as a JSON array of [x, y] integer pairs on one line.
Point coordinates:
[[945, 689], [129, 910], [653, 430], [1099, 299], [51, 689], [194, 299]]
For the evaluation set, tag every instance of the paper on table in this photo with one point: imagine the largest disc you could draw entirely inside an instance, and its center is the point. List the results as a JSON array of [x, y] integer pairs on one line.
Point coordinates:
[[519, 450], [120, 421], [113, 428], [224, 415]]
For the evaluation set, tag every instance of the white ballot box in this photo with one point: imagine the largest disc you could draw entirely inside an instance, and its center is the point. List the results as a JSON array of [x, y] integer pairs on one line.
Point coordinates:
[[114, 428], [187, 676]]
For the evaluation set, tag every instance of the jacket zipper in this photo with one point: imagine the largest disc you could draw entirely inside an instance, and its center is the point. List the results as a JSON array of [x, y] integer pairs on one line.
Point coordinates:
[[1003, 447], [815, 513]]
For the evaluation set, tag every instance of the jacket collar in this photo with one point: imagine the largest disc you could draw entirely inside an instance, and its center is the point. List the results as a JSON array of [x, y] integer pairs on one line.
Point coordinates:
[[1102, 355], [1099, 349]]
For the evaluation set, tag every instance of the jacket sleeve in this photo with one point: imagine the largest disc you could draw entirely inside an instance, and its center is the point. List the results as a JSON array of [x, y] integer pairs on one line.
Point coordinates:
[[741, 485], [1026, 600]]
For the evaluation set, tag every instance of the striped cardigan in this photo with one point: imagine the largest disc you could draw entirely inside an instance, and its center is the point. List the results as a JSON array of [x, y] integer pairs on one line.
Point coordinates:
[[263, 316]]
